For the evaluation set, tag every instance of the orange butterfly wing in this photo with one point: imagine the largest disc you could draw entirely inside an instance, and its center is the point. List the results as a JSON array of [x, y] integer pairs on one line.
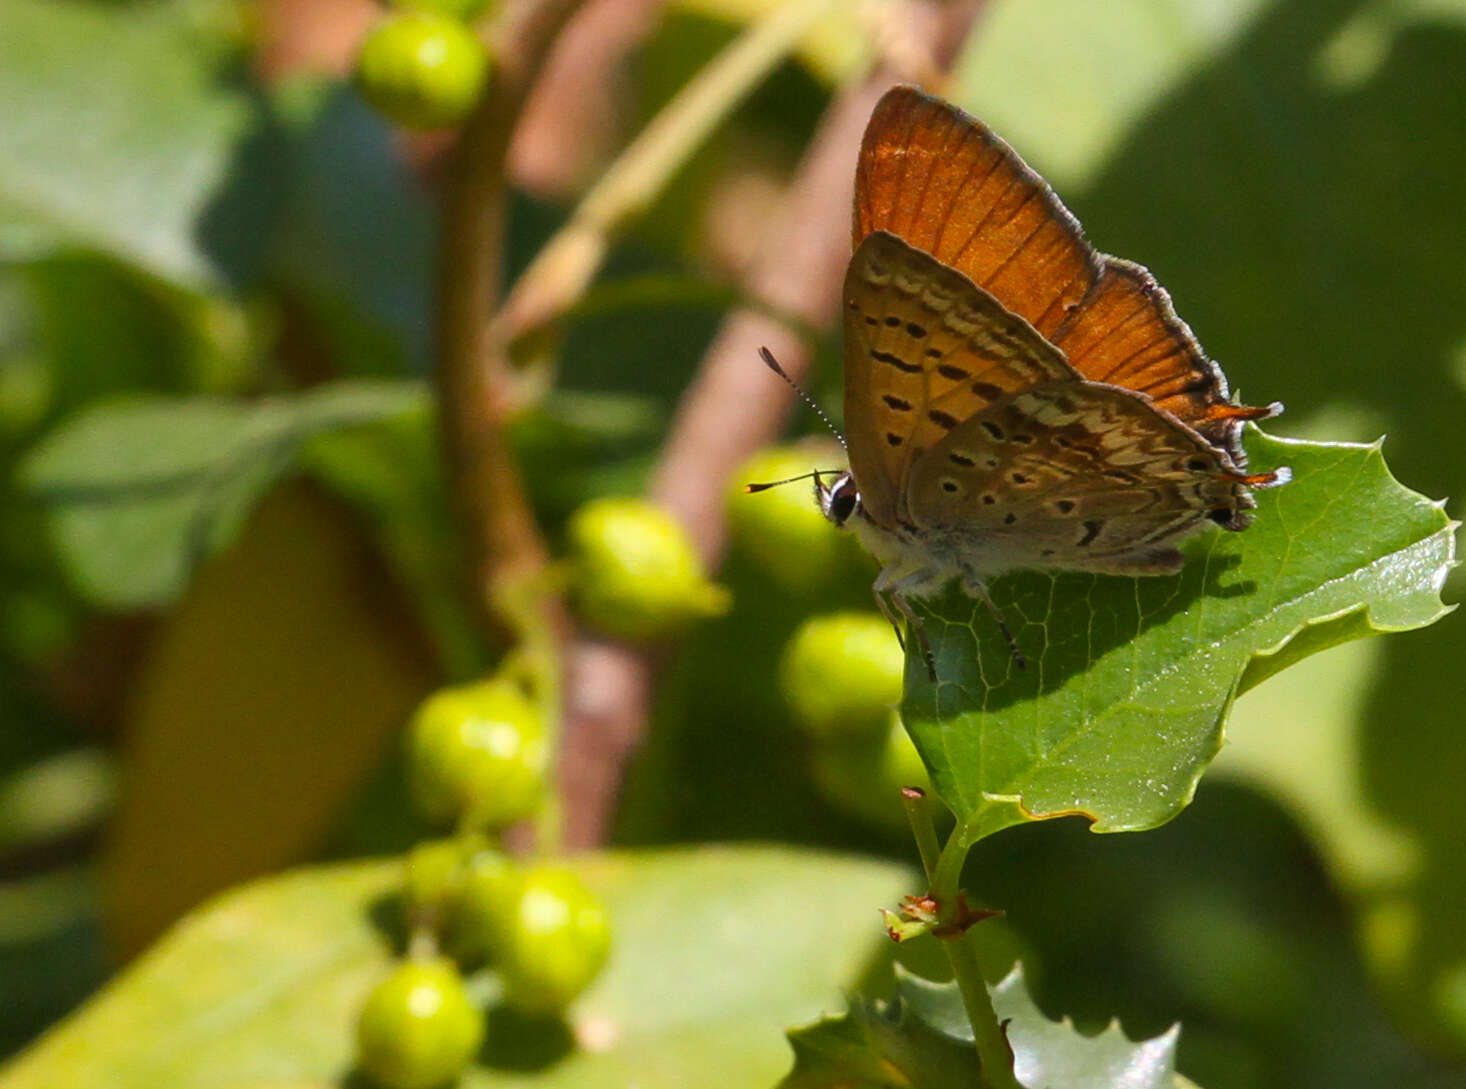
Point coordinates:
[[943, 182]]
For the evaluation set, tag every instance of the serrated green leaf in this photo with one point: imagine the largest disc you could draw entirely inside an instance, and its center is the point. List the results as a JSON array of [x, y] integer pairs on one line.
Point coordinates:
[[139, 491], [1053, 1055], [887, 1045], [1129, 680], [263, 985], [122, 135]]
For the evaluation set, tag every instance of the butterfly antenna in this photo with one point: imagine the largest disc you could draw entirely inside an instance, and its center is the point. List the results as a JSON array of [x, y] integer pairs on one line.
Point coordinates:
[[815, 475], [773, 365]]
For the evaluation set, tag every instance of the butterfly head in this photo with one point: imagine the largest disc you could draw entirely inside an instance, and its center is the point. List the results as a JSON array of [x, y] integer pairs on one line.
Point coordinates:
[[840, 499]]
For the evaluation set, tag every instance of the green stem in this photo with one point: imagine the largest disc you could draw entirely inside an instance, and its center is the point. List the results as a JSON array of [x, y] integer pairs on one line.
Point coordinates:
[[536, 661], [944, 874], [919, 814], [565, 266], [507, 551]]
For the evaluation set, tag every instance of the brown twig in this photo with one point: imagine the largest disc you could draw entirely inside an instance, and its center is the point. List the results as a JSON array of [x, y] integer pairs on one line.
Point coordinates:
[[731, 410], [503, 539]]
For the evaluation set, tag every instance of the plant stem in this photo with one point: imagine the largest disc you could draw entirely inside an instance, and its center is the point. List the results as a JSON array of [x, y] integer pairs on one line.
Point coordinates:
[[507, 555], [919, 815], [564, 267], [503, 538], [944, 872]]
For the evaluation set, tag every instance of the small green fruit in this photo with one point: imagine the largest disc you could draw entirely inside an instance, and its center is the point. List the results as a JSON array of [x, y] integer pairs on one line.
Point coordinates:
[[782, 529], [554, 939], [418, 1029], [421, 69], [465, 11], [477, 751], [485, 907], [841, 673], [436, 871], [636, 575], [863, 776]]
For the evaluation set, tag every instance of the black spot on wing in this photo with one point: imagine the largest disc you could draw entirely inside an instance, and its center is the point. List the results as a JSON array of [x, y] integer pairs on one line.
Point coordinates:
[[895, 361], [899, 404], [1091, 531], [942, 419]]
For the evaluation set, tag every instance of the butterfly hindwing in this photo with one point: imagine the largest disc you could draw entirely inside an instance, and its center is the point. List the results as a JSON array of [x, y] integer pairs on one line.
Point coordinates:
[[1074, 475]]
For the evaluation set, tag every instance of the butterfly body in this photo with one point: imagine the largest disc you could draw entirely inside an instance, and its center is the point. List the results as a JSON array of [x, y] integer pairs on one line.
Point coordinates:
[[1013, 399]]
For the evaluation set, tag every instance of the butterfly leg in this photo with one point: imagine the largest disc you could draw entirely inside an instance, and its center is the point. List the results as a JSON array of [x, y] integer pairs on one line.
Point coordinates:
[[974, 586], [890, 594]]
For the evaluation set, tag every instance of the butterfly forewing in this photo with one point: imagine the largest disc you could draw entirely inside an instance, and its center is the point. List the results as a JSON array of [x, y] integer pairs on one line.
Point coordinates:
[[1073, 475], [924, 351], [942, 181], [1127, 334]]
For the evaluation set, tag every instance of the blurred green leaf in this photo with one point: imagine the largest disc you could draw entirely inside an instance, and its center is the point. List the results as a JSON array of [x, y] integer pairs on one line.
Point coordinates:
[[123, 135], [1129, 680], [1050, 1054], [1117, 59], [715, 950], [356, 239], [140, 491]]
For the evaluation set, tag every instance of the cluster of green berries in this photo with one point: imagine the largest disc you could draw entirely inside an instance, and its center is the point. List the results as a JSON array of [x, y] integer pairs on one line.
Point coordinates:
[[478, 756], [477, 759], [422, 65]]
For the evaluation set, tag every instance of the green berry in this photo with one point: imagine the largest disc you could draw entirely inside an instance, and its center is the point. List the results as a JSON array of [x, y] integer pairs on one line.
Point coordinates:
[[418, 1029], [421, 69], [465, 11], [863, 776], [841, 673], [554, 939], [477, 751], [636, 574], [487, 896], [782, 529], [436, 872]]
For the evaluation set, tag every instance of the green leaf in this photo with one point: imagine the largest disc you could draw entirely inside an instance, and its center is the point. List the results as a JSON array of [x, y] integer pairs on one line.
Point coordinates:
[[122, 137], [916, 1039], [139, 491], [715, 950], [1053, 1055], [355, 242], [923, 1038], [1118, 60], [1129, 680]]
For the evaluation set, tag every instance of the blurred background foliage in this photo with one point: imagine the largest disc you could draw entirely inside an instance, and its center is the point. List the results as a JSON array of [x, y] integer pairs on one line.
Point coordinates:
[[202, 682]]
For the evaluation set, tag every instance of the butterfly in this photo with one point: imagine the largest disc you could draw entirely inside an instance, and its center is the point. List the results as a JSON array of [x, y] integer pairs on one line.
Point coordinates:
[[1014, 399]]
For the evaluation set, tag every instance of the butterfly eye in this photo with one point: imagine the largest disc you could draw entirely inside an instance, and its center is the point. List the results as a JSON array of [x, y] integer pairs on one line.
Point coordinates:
[[841, 500]]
